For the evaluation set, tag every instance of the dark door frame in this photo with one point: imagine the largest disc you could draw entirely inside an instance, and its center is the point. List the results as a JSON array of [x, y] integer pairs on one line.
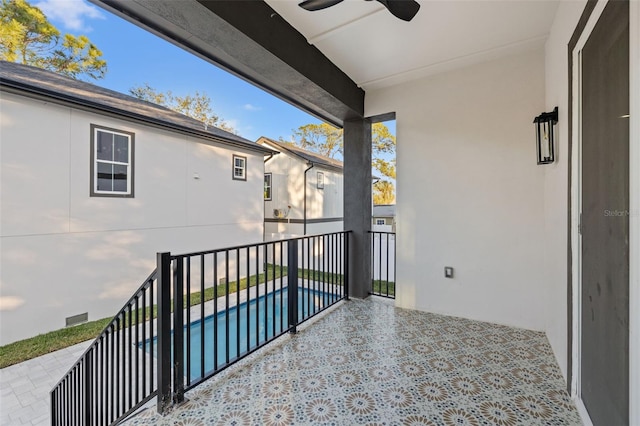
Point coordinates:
[[582, 23], [634, 184]]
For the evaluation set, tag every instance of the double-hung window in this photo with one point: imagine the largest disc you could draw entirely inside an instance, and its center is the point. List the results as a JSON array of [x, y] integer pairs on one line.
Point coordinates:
[[380, 221], [239, 167], [267, 186], [112, 155]]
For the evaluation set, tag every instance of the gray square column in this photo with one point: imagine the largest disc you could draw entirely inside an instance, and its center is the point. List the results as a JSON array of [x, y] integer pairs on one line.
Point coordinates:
[[357, 203]]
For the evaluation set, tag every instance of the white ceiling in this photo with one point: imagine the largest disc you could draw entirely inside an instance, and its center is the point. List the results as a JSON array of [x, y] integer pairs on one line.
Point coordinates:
[[377, 50]]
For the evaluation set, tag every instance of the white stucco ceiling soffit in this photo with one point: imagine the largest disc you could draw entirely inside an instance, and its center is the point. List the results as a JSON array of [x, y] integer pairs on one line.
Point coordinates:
[[377, 50]]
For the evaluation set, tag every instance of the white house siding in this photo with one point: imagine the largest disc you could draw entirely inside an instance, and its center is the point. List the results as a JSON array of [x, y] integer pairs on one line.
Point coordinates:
[[280, 230], [325, 227], [383, 257], [324, 203], [287, 189], [65, 253], [382, 228], [469, 193]]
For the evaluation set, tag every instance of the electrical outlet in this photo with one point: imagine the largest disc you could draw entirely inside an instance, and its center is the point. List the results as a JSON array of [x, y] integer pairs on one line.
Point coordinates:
[[448, 272]]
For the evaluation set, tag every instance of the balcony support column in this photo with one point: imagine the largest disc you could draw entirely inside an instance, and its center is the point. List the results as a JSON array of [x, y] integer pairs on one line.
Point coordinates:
[[357, 203]]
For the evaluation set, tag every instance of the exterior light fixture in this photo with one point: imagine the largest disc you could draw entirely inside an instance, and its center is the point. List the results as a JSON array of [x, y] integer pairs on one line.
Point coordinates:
[[545, 144]]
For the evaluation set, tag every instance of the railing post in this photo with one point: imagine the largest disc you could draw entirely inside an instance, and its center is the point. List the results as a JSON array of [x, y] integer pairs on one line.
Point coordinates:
[[346, 264], [292, 280], [178, 331], [372, 235], [54, 407], [88, 402], [163, 369]]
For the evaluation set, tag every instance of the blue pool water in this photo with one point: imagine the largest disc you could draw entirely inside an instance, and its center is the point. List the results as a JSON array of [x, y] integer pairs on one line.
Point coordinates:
[[259, 320]]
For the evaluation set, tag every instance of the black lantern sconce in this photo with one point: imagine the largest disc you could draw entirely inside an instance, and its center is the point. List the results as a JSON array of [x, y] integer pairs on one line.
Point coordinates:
[[545, 143]]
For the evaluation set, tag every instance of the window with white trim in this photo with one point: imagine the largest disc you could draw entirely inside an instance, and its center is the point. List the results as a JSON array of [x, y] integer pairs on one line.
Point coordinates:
[[239, 167], [380, 222], [112, 155], [267, 186], [320, 180]]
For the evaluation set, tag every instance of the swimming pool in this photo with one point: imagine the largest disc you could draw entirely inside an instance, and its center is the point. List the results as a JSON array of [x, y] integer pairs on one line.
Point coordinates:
[[252, 324]]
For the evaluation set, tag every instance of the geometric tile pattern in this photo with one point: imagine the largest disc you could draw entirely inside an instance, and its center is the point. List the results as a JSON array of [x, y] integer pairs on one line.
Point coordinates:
[[369, 363]]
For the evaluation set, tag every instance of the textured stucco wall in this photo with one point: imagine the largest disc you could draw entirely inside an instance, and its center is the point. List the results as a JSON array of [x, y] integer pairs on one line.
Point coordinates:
[[64, 253], [470, 194]]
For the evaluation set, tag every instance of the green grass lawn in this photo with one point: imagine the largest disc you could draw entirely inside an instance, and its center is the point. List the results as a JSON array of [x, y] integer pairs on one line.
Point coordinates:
[[43, 344], [380, 287]]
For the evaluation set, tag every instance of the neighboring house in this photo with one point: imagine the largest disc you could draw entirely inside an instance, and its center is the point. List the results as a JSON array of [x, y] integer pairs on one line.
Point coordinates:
[[384, 217], [94, 183], [303, 192]]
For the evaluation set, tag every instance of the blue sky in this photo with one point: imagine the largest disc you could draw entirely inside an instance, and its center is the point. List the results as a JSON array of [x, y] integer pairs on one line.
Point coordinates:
[[135, 57]]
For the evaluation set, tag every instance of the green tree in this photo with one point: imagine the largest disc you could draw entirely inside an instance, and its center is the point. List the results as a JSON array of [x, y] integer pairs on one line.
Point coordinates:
[[197, 106], [327, 140], [27, 37], [321, 138], [383, 192]]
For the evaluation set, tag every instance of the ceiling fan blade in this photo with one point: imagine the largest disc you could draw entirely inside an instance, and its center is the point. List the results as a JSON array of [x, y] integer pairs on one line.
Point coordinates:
[[318, 4], [402, 9]]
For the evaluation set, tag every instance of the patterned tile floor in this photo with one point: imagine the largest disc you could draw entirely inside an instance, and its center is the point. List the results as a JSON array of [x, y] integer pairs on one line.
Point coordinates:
[[368, 363]]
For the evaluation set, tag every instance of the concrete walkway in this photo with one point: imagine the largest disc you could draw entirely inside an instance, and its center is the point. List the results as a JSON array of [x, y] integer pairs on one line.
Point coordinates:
[[24, 387]]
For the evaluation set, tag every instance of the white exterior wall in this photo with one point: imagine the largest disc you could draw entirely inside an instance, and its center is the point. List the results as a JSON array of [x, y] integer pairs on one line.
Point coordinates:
[[287, 189], [325, 227], [470, 194], [64, 253], [382, 228], [327, 202], [556, 179], [287, 185]]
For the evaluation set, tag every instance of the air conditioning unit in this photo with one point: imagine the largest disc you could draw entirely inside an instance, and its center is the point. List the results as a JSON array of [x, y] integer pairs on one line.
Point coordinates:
[[281, 213]]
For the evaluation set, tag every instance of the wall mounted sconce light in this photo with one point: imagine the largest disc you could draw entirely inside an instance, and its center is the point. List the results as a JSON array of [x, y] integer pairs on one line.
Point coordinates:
[[545, 143]]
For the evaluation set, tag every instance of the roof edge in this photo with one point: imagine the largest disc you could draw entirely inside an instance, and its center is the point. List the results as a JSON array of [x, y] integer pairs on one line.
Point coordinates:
[[283, 147], [19, 88]]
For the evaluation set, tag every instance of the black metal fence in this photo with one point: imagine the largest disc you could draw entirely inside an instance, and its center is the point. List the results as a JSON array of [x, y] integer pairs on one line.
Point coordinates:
[[383, 264], [113, 377], [197, 314]]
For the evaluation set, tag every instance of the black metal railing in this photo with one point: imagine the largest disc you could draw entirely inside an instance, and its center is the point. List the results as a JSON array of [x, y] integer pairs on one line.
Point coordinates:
[[211, 309], [383, 264], [112, 378], [253, 294]]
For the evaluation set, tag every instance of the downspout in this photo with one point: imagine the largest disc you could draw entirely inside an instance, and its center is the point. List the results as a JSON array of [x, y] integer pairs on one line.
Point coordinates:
[[304, 210], [264, 231]]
